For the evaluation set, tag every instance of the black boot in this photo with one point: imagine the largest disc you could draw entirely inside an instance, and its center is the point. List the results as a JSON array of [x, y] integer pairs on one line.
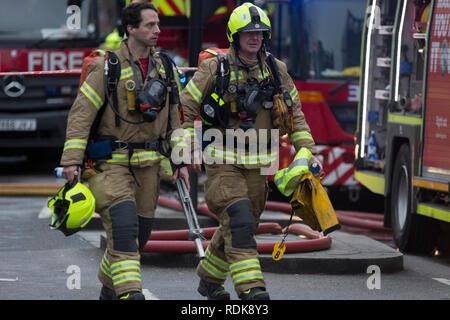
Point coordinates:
[[132, 295], [254, 294], [213, 291], [107, 294]]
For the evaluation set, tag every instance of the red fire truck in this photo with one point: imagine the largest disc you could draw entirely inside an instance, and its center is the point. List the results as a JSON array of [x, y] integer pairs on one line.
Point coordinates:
[[402, 142], [45, 35]]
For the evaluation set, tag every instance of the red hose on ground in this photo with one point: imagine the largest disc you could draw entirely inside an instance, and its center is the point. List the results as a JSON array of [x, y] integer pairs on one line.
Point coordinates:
[[362, 220], [266, 227], [362, 215], [361, 223], [176, 240], [185, 246], [160, 243]]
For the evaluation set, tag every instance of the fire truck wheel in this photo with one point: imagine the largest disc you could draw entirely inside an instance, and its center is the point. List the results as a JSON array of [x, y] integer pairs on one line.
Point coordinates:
[[411, 232]]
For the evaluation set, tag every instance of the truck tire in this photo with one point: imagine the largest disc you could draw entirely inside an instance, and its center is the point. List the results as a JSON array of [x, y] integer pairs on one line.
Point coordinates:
[[411, 232]]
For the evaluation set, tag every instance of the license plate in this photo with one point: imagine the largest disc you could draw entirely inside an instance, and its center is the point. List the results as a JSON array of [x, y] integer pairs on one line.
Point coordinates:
[[17, 124]]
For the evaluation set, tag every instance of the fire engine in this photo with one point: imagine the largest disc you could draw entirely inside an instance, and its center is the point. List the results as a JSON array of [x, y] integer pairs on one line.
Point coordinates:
[[50, 37], [402, 148]]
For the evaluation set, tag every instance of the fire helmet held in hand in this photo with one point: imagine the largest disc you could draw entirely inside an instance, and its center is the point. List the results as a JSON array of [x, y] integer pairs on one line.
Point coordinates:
[[72, 208]]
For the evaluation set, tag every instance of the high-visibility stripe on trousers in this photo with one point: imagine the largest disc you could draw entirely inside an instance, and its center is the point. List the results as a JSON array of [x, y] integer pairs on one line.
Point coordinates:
[[215, 266], [126, 271], [245, 270]]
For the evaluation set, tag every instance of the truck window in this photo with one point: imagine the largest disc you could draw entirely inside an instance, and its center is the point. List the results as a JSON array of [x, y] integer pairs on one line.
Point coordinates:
[[42, 19]]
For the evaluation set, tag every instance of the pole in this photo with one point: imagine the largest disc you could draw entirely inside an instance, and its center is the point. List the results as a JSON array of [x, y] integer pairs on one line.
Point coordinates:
[[195, 31]]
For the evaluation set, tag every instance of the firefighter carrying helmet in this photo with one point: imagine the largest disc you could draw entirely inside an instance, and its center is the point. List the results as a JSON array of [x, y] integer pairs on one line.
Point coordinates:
[[72, 208], [248, 17]]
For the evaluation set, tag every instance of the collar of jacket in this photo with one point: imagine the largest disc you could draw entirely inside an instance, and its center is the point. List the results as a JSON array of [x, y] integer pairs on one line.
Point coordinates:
[[123, 51], [253, 64]]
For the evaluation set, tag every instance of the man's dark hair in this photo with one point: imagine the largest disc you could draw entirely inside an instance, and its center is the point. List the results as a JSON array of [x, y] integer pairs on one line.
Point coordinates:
[[131, 15]]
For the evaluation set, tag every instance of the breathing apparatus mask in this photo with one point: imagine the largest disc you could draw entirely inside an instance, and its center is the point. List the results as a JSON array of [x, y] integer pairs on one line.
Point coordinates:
[[151, 99], [250, 96]]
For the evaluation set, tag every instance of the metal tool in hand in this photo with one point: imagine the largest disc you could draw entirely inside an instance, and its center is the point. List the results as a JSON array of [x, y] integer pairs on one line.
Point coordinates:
[[195, 232]]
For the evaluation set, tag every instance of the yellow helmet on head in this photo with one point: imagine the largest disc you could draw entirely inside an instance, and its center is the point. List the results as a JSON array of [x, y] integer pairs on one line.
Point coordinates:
[[248, 17]]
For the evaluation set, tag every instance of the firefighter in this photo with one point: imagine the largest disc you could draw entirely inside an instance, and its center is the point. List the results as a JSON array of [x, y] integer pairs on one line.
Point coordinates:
[[236, 190], [125, 182]]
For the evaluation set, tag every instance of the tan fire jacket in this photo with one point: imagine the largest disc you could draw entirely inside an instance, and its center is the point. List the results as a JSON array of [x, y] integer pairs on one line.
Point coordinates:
[[91, 99], [203, 83]]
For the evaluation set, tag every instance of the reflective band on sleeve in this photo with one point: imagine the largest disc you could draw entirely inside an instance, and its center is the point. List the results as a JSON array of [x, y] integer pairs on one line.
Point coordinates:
[[294, 93], [126, 73], [195, 93], [91, 95], [75, 144], [300, 135]]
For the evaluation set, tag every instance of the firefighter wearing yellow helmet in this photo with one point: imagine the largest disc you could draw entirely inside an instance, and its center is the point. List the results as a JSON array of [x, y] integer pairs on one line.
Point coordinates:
[[236, 188]]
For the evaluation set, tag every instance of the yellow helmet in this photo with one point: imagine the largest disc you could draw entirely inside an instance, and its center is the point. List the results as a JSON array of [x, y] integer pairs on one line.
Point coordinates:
[[72, 208], [248, 17]]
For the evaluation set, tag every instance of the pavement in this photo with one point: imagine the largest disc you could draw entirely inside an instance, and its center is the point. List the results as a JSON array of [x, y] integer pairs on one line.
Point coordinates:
[[347, 254], [42, 264]]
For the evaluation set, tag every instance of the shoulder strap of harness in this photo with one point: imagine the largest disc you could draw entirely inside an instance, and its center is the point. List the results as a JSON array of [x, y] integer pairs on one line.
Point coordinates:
[[170, 77], [222, 73], [112, 75]]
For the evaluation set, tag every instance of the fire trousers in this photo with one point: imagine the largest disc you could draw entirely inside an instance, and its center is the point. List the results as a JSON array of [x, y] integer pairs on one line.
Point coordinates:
[[237, 196], [127, 212]]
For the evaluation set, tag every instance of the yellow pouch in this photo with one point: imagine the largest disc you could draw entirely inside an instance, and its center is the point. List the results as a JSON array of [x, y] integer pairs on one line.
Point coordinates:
[[311, 203]]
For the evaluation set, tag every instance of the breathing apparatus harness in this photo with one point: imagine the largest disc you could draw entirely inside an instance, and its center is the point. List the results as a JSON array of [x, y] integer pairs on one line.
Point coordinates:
[[214, 111], [282, 112], [151, 100], [253, 93]]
